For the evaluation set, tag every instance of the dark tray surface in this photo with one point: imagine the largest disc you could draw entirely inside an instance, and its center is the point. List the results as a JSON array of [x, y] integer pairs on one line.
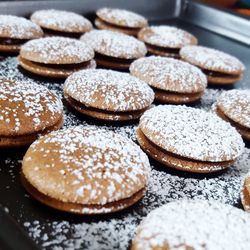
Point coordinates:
[[55, 230]]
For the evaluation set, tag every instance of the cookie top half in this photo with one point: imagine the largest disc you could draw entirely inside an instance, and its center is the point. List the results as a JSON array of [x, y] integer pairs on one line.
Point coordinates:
[[192, 133], [109, 90], [86, 165], [26, 108]]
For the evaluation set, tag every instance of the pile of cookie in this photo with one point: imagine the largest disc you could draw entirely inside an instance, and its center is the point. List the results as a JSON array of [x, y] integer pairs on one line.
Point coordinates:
[[114, 73]]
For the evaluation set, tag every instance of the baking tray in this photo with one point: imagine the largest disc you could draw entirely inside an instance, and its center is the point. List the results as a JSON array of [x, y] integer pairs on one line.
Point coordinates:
[[27, 224]]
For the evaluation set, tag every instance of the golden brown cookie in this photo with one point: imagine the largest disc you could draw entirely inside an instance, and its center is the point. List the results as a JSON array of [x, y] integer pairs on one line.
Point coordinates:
[[120, 20], [245, 194], [188, 139], [173, 81], [107, 94], [193, 225], [56, 57], [27, 110], [114, 50], [61, 23], [15, 31], [219, 67], [85, 170], [165, 40], [234, 106]]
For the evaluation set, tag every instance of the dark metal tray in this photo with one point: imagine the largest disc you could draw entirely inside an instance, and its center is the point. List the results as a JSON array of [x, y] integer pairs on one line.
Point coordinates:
[[27, 224]]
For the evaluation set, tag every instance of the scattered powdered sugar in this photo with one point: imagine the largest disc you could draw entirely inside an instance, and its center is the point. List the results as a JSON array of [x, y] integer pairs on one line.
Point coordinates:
[[18, 27], [23, 102], [61, 20], [209, 98], [122, 17], [192, 133], [114, 44], [236, 105], [109, 90], [169, 74], [88, 165], [56, 50], [194, 224], [166, 36], [212, 59]]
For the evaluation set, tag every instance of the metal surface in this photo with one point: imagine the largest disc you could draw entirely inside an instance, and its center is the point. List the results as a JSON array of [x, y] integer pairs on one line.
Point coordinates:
[[211, 31]]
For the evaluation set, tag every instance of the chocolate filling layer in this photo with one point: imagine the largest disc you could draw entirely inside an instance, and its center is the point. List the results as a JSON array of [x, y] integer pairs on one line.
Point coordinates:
[[102, 57], [163, 49], [11, 41], [49, 32], [218, 74]]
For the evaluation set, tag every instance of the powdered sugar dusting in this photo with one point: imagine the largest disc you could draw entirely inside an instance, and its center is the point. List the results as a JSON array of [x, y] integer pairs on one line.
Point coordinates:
[[166, 36], [56, 50], [18, 27], [191, 133], [212, 59], [169, 74], [61, 21], [236, 105], [109, 90], [122, 17], [115, 44], [194, 224]]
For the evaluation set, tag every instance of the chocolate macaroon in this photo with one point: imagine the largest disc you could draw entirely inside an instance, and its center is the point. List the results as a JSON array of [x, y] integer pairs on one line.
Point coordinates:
[[189, 139], [15, 31], [107, 94], [114, 50], [56, 57], [27, 111], [61, 23], [219, 67], [193, 225], [245, 193], [85, 170], [166, 40], [234, 106], [120, 20], [173, 81]]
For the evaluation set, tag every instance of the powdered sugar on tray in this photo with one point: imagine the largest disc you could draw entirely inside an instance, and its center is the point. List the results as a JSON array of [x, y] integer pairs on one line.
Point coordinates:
[[109, 90], [115, 44], [212, 59], [61, 21], [122, 17]]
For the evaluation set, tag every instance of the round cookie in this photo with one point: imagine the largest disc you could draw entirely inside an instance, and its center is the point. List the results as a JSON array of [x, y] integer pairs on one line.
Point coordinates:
[[165, 40], [85, 170], [15, 31], [193, 225], [234, 106], [108, 94], [219, 67], [114, 50], [120, 20], [56, 57], [245, 194], [27, 110], [61, 23], [173, 81], [188, 139]]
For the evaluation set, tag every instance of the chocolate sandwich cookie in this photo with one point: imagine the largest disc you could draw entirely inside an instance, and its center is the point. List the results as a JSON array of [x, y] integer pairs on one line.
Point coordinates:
[[219, 67], [234, 106], [189, 139], [61, 23], [56, 57], [85, 170], [27, 110], [120, 20], [165, 40], [193, 225], [107, 94], [173, 81], [245, 193], [15, 31], [114, 50]]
